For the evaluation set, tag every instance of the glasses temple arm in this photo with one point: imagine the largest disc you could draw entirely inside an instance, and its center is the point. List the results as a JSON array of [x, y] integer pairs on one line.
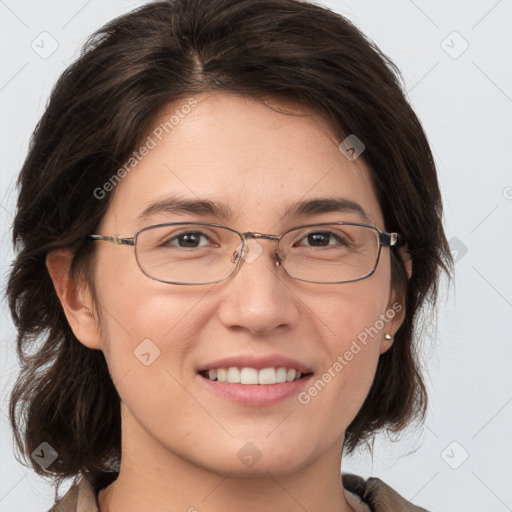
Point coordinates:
[[113, 239], [391, 240]]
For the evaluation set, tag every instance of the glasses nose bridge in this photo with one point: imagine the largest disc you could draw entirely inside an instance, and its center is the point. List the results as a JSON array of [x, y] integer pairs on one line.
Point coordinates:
[[248, 235]]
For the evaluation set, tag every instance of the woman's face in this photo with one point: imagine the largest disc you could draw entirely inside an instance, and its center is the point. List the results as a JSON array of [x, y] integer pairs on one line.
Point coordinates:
[[157, 338]]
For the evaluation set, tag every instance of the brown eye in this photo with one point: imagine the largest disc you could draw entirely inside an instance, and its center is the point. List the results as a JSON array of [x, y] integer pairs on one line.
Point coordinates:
[[322, 239], [189, 240]]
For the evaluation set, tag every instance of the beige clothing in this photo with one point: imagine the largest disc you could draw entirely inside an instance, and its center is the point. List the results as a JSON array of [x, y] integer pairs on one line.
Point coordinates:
[[374, 495]]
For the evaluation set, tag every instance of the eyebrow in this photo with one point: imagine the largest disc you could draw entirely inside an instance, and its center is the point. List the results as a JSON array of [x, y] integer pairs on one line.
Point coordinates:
[[209, 208], [327, 205]]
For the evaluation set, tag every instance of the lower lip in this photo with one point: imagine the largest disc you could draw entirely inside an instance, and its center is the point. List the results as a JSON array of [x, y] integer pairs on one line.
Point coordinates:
[[256, 395]]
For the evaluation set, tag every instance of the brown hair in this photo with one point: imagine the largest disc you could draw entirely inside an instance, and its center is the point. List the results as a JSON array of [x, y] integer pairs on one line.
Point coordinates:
[[99, 110]]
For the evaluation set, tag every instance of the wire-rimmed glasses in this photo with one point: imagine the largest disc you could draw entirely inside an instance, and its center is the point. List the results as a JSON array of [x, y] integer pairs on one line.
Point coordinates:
[[206, 253]]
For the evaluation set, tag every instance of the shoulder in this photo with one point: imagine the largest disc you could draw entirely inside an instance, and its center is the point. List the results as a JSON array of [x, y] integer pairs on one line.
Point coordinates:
[[379, 496], [82, 496]]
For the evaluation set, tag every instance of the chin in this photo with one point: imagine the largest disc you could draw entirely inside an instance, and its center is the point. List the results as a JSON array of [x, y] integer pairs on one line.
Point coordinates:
[[257, 458]]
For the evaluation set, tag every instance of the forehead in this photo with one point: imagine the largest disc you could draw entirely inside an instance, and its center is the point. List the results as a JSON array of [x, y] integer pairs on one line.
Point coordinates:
[[253, 162]]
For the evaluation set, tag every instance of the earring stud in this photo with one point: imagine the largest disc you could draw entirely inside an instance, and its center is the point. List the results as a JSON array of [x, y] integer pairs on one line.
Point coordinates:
[[388, 336]]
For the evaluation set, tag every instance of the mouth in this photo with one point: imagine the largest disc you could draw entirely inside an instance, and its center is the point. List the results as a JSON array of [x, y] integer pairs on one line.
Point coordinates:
[[247, 375], [253, 380]]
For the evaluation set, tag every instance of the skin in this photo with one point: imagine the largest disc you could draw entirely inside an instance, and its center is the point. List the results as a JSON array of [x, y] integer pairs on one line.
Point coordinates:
[[179, 440]]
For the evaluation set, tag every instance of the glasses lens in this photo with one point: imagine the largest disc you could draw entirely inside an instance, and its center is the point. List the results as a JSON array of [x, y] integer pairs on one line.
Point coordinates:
[[190, 253], [330, 253], [187, 253]]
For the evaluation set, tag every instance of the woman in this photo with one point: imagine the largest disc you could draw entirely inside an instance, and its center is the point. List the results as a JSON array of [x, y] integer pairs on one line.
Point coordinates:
[[227, 223]]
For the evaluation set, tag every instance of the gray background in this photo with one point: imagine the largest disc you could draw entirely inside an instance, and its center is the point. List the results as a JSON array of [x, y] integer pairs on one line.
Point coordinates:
[[460, 460]]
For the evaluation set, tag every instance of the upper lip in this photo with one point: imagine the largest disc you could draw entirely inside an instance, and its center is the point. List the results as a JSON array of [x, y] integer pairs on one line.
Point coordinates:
[[258, 362]]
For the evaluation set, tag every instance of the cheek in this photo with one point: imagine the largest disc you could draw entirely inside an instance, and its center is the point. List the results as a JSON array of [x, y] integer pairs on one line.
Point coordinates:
[[356, 311], [142, 328], [148, 337], [355, 317], [145, 323]]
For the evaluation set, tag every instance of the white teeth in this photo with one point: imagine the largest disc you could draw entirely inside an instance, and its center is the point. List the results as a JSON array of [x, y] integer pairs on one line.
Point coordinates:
[[233, 375], [267, 376], [247, 375], [281, 375]]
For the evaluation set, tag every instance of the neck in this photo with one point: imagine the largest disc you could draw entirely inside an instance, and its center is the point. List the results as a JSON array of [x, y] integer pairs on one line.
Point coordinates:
[[154, 478]]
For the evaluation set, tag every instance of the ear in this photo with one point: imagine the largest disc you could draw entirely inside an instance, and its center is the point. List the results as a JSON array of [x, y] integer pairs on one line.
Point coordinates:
[[396, 308], [75, 298]]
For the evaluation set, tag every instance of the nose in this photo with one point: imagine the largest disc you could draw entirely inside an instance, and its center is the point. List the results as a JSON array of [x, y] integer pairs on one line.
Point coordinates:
[[258, 297]]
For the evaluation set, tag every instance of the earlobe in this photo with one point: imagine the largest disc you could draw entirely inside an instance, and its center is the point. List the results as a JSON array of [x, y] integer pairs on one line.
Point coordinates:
[[396, 310], [74, 297], [386, 342]]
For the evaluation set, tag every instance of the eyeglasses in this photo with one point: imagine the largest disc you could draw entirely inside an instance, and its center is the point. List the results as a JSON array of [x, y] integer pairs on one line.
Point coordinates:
[[206, 253]]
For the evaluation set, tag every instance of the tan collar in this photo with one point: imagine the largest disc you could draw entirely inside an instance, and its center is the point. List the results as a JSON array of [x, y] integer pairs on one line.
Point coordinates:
[[371, 495]]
